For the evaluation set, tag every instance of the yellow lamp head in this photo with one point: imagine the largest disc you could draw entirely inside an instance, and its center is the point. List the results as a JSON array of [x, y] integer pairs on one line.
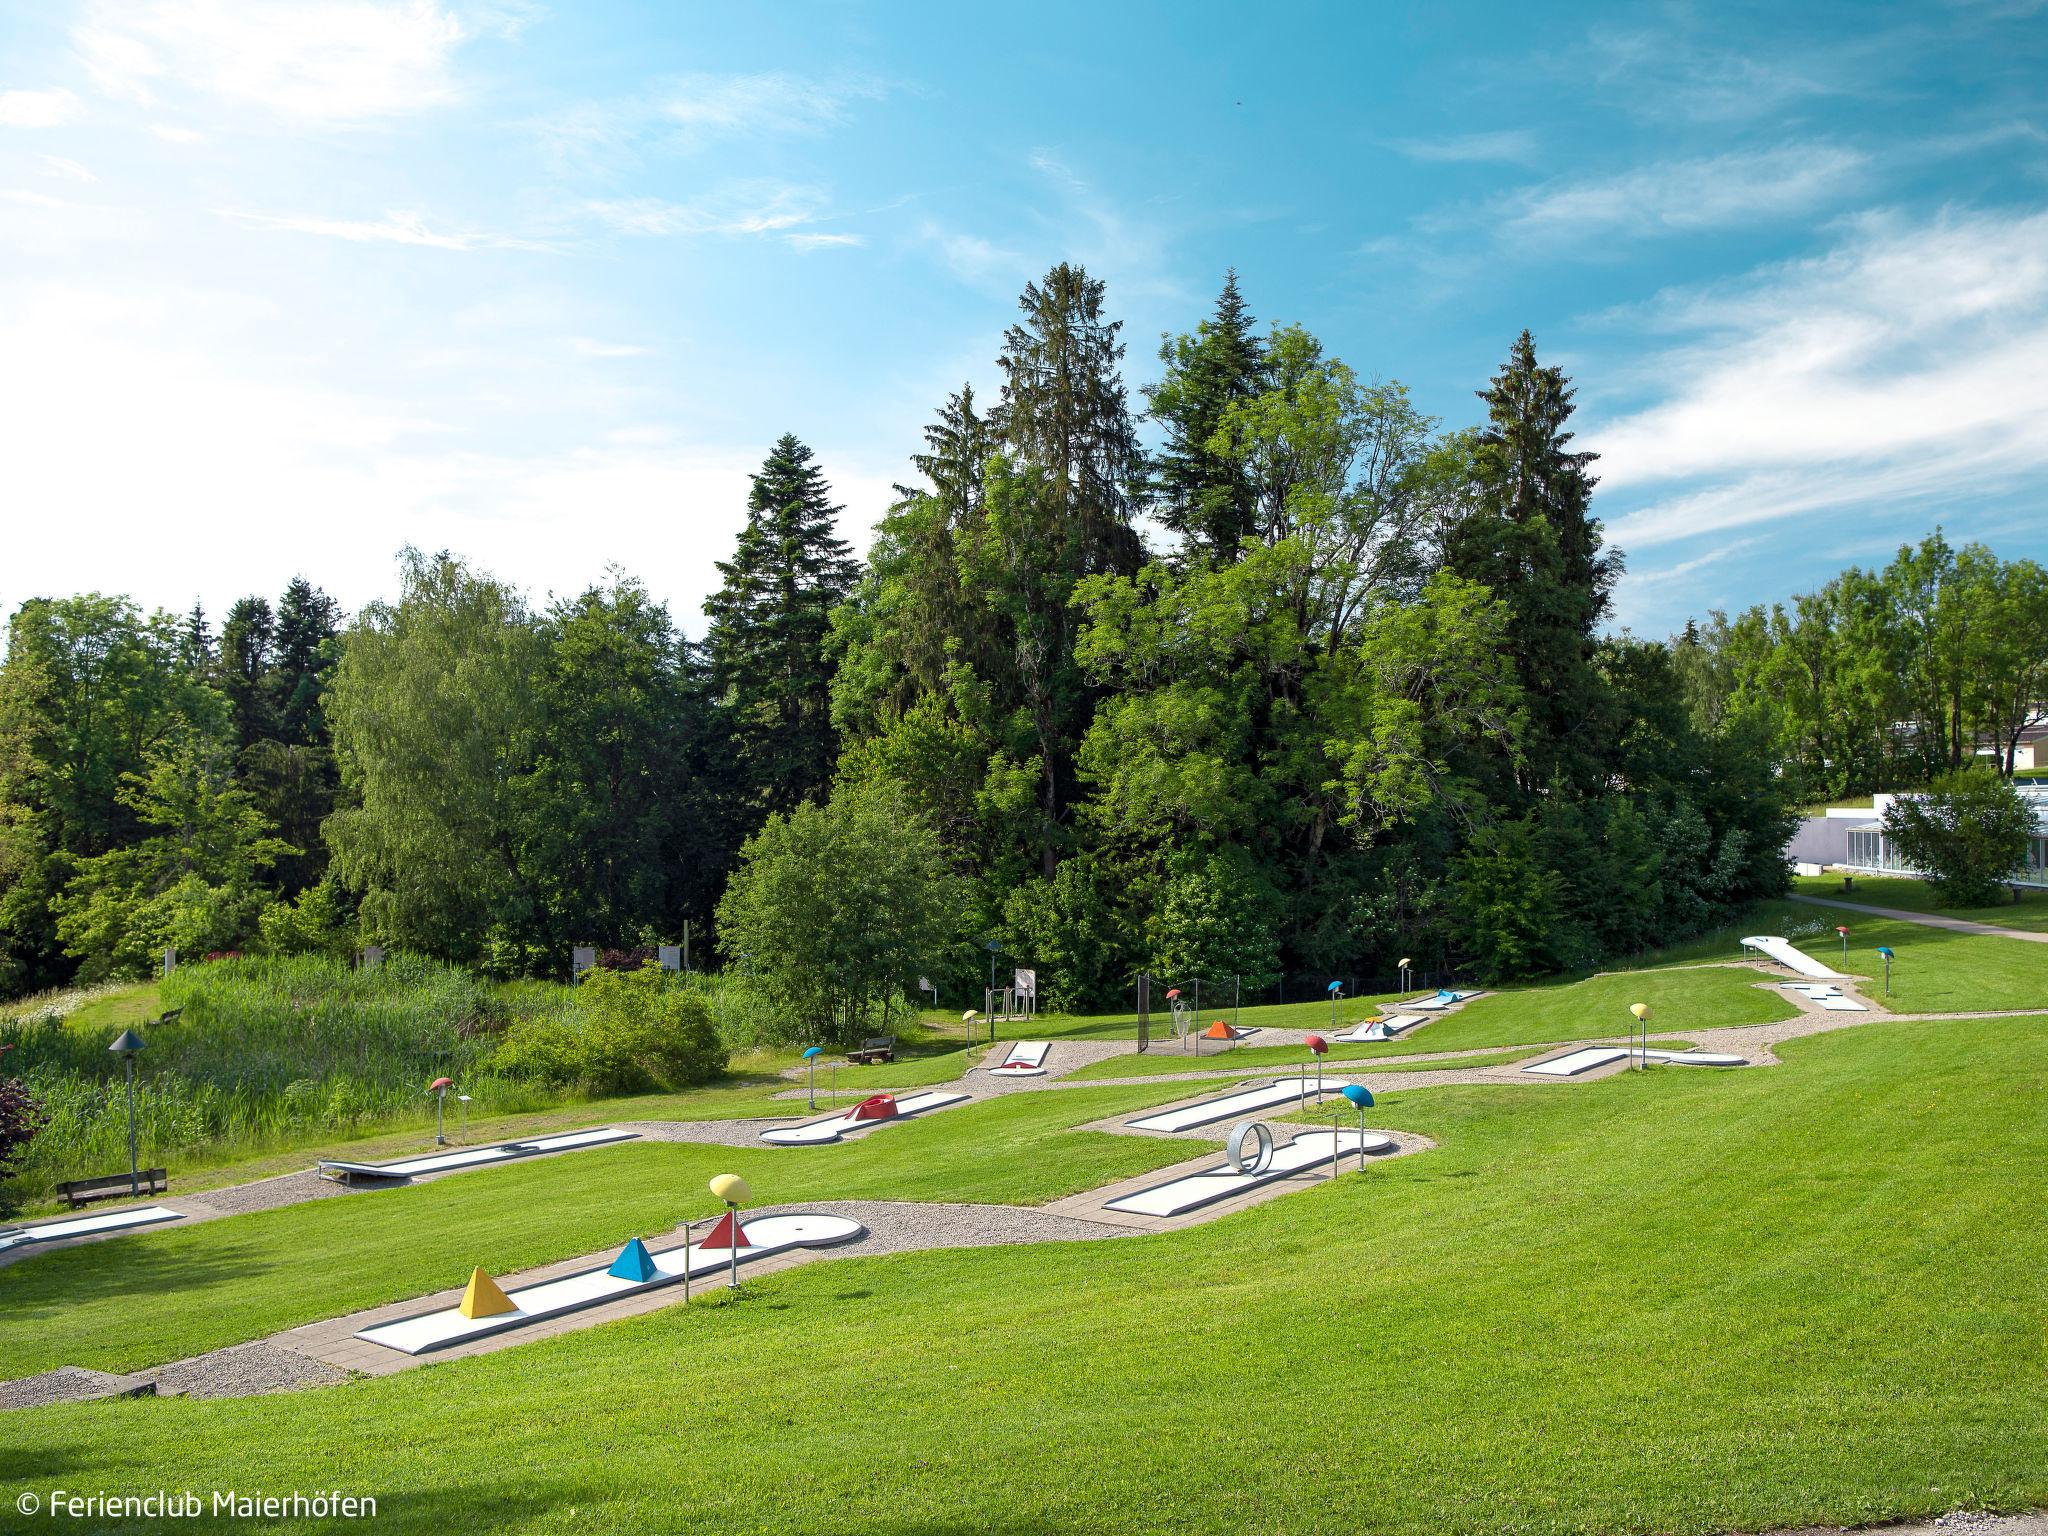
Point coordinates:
[[732, 1189], [1640, 1010]]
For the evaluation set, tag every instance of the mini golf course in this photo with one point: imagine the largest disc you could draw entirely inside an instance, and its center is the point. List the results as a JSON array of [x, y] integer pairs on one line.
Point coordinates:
[[1719, 1279]]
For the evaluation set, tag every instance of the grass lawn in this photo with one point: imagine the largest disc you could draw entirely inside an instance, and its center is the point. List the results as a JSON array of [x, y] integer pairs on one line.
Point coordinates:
[[1672, 1301], [1680, 998], [1280, 1058], [2029, 913], [132, 1301]]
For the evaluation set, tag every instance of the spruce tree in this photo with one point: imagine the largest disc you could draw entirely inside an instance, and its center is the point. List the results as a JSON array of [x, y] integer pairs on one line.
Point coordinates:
[[1532, 540], [769, 622], [1205, 497], [248, 641]]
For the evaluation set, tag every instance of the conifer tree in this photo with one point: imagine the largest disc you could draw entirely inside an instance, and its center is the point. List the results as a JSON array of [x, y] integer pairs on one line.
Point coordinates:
[[1206, 497], [769, 623], [1533, 541]]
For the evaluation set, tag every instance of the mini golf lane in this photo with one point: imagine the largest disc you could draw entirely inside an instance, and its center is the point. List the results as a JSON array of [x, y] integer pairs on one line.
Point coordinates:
[[814, 1133], [765, 1236], [1302, 1155], [1384, 1029], [1790, 956], [1025, 1059], [88, 1226], [473, 1157], [1592, 1056], [1209, 1111]]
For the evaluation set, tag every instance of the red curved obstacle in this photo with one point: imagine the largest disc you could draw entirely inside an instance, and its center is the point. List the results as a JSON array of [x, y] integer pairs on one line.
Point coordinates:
[[880, 1106]]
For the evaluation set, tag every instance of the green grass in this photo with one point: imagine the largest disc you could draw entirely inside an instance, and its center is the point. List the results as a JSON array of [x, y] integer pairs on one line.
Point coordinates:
[[238, 1278], [1683, 998], [1668, 1301], [1279, 1058], [2029, 913]]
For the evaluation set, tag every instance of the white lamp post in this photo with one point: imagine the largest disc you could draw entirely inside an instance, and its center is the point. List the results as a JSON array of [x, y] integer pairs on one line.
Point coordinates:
[[1642, 1013], [125, 1045]]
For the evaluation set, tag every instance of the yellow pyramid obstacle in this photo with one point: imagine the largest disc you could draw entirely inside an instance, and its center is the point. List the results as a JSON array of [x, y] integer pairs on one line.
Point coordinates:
[[482, 1298]]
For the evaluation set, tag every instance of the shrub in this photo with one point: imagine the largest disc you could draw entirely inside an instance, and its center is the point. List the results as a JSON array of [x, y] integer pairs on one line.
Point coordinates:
[[543, 1052], [22, 1119], [643, 1030], [1969, 833]]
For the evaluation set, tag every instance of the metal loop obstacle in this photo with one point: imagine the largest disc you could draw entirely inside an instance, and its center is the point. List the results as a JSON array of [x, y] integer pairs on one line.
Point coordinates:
[[1262, 1147]]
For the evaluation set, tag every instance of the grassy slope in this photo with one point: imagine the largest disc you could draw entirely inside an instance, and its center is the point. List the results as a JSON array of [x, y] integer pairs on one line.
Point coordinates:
[[241, 1277], [1673, 1301], [2029, 913]]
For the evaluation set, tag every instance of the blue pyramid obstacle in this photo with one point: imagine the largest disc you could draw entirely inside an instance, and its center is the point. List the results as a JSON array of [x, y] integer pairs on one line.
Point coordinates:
[[633, 1263]]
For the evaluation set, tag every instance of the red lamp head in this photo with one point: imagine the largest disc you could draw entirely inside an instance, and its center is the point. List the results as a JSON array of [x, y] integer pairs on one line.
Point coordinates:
[[440, 1084], [1316, 1043]]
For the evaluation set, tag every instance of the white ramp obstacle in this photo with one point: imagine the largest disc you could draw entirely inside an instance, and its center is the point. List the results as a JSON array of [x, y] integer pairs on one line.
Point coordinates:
[[1382, 1029], [472, 1157], [880, 1109], [88, 1226], [1442, 1000], [1025, 1059], [1209, 1111], [1828, 995], [760, 1238], [1304, 1153], [1573, 1063], [1790, 957]]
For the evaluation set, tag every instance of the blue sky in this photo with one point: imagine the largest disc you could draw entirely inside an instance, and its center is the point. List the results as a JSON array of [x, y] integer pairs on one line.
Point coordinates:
[[285, 286]]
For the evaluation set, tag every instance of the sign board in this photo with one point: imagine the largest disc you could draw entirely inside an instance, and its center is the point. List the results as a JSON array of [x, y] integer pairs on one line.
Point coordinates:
[[582, 958], [1027, 983], [170, 959], [671, 957], [371, 957]]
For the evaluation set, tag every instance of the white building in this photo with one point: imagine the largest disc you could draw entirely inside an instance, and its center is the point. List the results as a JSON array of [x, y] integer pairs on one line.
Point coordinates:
[[1855, 839]]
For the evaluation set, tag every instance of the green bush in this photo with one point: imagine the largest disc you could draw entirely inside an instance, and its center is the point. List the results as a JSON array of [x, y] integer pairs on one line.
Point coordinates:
[[543, 1052], [1969, 833], [644, 1030]]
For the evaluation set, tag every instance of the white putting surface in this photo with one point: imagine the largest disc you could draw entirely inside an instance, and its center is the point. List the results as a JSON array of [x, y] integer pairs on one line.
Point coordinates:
[[1841, 1004], [1386, 1029], [1250, 1101], [87, 1226], [1578, 1061], [814, 1133], [592, 1287], [1025, 1059], [1594, 1056], [1300, 1155], [477, 1157], [1438, 1000], [1790, 957]]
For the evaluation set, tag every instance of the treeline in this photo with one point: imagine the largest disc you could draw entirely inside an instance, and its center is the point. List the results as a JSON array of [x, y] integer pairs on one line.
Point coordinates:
[[1883, 679], [1348, 703]]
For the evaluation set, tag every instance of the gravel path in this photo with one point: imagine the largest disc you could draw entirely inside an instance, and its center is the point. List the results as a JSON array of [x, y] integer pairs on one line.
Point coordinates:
[[66, 1384], [1930, 920], [267, 1194], [244, 1370]]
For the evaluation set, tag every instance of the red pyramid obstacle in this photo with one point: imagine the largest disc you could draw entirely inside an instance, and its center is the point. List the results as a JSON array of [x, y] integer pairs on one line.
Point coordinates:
[[1220, 1031], [727, 1234], [880, 1106]]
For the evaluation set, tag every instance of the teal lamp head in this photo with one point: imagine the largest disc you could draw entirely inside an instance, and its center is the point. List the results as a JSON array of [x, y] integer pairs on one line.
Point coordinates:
[[1362, 1097]]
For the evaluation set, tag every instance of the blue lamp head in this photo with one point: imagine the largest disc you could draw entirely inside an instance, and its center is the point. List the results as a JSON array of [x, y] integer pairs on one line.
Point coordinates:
[[816, 1050], [1362, 1097], [1885, 950], [1335, 986]]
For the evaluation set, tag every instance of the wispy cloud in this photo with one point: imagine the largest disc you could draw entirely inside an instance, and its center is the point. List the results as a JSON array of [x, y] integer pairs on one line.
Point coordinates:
[[1512, 145], [393, 228], [70, 170], [691, 111], [1712, 192], [757, 208], [585, 347], [1669, 74], [171, 133], [1907, 364], [333, 61], [37, 109]]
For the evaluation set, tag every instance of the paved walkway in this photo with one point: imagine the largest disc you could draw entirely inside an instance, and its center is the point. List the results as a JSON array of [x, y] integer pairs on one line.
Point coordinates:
[[1928, 919]]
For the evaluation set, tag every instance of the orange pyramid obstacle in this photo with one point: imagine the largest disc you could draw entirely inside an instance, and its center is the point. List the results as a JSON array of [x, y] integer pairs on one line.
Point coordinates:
[[482, 1298], [727, 1234], [1219, 1031]]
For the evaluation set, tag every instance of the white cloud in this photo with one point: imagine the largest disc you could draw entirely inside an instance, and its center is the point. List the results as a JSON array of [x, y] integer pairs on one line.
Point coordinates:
[[585, 347], [1720, 191], [766, 103], [154, 438], [1905, 365], [333, 61], [822, 242], [37, 109], [70, 170], [171, 133], [394, 228], [744, 208], [1508, 144], [1668, 75]]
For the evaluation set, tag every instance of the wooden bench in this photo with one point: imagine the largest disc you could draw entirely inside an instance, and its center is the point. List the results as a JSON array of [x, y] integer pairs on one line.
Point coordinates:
[[880, 1048], [114, 1186]]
